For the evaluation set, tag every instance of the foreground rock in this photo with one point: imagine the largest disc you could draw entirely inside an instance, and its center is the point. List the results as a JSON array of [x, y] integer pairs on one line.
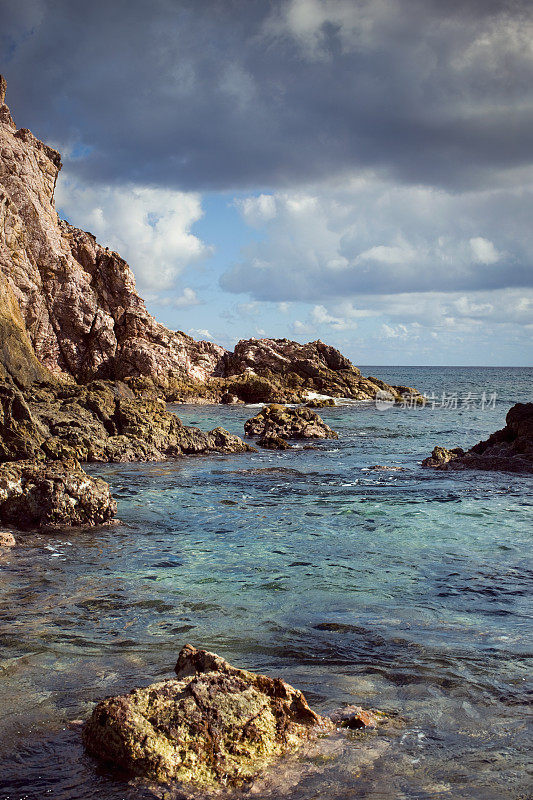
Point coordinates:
[[509, 449], [213, 724], [52, 495], [288, 423]]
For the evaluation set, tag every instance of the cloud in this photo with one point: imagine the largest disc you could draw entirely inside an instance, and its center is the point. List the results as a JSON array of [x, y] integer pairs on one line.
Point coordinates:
[[211, 95], [186, 299], [202, 332], [150, 228], [483, 251], [365, 235]]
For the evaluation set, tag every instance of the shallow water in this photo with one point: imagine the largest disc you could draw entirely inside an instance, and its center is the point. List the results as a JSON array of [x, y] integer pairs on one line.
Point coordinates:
[[403, 590]]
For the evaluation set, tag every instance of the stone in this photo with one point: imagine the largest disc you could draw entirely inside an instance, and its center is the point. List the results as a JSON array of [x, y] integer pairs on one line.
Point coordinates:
[[320, 402], [229, 399], [273, 442], [509, 449], [441, 456], [52, 495], [7, 540], [212, 724], [355, 717], [290, 423]]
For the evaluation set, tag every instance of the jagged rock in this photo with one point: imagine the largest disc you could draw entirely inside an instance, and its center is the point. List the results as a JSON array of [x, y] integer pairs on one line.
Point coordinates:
[[273, 442], [212, 724], [77, 298], [292, 369], [289, 423], [509, 449], [101, 421], [442, 456], [229, 399], [52, 495]]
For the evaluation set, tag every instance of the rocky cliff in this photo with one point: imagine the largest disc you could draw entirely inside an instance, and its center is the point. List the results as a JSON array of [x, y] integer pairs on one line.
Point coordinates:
[[77, 299], [70, 305]]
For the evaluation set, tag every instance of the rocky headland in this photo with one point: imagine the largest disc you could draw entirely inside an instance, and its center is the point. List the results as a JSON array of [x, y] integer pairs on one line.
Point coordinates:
[[85, 370], [509, 449]]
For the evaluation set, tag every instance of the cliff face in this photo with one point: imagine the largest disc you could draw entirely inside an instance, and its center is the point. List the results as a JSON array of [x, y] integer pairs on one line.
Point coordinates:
[[77, 299]]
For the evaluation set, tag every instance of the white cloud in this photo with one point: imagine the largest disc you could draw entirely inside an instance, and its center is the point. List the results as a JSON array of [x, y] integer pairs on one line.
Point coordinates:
[[366, 235], [150, 228], [186, 299], [203, 332], [483, 251], [257, 210]]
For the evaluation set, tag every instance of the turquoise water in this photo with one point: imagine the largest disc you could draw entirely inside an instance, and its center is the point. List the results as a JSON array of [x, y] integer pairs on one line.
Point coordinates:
[[403, 590]]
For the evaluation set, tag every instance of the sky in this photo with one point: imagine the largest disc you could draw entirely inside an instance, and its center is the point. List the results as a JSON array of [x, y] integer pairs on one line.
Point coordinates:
[[359, 171]]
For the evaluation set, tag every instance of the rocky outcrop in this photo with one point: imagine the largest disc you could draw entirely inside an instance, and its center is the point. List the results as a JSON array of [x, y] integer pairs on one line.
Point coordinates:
[[7, 540], [52, 495], [101, 421], [212, 724], [288, 423], [285, 371], [509, 449]]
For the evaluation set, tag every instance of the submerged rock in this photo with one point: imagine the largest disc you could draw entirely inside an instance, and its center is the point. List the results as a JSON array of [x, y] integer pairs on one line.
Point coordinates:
[[509, 449], [355, 717], [212, 724], [290, 423], [7, 540], [52, 495]]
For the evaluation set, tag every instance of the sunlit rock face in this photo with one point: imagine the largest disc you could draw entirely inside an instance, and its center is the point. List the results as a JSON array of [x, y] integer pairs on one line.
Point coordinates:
[[77, 298]]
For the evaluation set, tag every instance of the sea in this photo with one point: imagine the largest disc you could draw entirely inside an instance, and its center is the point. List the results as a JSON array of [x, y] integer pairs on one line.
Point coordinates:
[[406, 590]]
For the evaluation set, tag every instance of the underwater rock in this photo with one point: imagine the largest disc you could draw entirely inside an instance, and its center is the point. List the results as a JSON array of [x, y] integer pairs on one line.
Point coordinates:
[[212, 724], [509, 449], [355, 717], [290, 423], [52, 495], [7, 539]]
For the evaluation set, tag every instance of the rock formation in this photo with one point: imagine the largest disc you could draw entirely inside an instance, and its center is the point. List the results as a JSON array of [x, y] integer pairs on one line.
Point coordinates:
[[53, 495], [72, 303], [288, 423], [101, 421], [510, 448], [213, 724]]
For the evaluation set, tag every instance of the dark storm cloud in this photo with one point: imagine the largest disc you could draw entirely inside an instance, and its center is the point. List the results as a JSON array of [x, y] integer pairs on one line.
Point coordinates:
[[246, 93]]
